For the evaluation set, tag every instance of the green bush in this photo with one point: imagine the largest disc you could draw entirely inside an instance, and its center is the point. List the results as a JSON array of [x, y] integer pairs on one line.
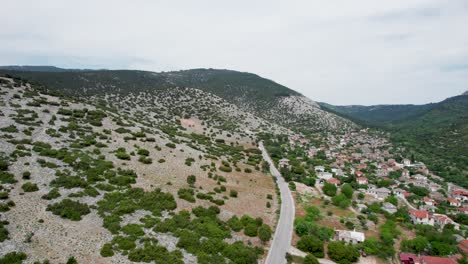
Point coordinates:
[[171, 145], [106, 250], [233, 193], [311, 244], [342, 253], [225, 168], [54, 193], [13, 258], [29, 187], [69, 209], [186, 194]]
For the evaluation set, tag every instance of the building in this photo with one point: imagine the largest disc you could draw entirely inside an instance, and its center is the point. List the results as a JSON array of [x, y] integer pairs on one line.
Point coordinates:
[[406, 162], [324, 176], [441, 220], [352, 237], [362, 180], [283, 163], [334, 181], [454, 202], [407, 258], [421, 217], [463, 245], [380, 193]]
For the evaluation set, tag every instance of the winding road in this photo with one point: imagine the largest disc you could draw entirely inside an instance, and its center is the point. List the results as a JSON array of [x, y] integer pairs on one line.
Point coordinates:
[[282, 239]]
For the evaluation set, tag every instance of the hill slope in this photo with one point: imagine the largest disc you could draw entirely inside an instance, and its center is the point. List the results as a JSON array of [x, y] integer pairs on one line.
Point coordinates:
[[122, 178], [251, 93], [437, 133]]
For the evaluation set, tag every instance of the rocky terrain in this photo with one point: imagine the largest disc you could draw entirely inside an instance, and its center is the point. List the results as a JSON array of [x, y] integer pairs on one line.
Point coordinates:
[[116, 178]]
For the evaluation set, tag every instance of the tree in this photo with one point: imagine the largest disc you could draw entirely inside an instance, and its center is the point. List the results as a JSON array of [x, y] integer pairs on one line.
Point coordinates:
[[329, 189], [264, 233], [310, 259], [341, 200], [191, 179], [342, 253], [347, 190], [360, 196], [311, 244]]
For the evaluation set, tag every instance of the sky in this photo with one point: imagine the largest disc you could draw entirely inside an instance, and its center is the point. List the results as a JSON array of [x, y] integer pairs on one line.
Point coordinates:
[[336, 51]]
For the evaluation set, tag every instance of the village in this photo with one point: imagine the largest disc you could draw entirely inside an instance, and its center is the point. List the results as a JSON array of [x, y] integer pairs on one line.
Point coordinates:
[[380, 176]]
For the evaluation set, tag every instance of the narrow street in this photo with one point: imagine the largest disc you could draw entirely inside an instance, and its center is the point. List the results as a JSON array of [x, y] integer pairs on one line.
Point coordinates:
[[282, 238]]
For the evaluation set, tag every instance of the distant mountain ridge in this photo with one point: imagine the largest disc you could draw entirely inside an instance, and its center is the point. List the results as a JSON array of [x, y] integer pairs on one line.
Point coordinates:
[[252, 93]]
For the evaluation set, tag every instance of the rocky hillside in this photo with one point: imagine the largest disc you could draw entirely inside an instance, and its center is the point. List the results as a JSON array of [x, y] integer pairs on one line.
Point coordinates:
[[249, 92], [167, 175]]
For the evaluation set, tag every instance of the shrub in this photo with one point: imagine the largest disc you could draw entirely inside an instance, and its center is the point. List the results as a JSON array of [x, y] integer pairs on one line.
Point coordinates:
[[54, 193], [312, 245], [310, 259], [251, 230], [248, 170], [69, 209], [171, 145], [264, 233], [329, 189], [233, 193], [342, 253], [225, 168], [186, 194], [191, 179], [26, 175], [13, 258], [107, 251], [143, 152], [29, 187]]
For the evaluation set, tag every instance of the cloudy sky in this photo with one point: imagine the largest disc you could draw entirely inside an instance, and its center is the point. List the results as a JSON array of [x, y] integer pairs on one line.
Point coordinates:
[[340, 52]]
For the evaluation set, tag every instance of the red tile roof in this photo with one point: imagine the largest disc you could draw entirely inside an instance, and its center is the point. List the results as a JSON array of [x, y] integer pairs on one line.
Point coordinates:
[[334, 181], [419, 213]]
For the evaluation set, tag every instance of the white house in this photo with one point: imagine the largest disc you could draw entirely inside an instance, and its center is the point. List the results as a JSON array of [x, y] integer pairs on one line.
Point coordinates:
[[421, 217], [283, 163], [380, 193], [324, 176], [320, 168], [406, 162], [362, 180], [352, 237]]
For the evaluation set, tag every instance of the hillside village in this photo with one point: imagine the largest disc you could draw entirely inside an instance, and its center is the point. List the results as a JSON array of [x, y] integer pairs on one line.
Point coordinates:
[[379, 185]]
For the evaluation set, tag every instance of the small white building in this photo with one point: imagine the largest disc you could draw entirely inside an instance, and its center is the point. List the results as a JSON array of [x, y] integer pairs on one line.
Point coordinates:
[[421, 217], [283, 163], [352, 237], [324, 176]]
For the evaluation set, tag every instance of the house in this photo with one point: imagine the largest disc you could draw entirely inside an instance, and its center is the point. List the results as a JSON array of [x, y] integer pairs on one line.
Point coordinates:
[[421, 217], [407, 258], [460, 195], [405, 173], [399, 193], [390, 208], [463, 210], [463, 246], [441, 220], [334, 181], [454, 202], [352, 237], [358, 173], [428, 201], [319, 168], [361, 180], [324, 176], [406, 162], [283, 163], [380, 193]]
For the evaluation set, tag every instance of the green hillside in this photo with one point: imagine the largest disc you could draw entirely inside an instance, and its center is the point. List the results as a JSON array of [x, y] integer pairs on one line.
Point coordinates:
[[436, 133]]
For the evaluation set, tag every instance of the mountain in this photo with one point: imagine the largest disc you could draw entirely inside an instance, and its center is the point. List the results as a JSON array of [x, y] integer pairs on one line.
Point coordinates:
[[436, 133], [251, 93], [131, 177], [36, 68]]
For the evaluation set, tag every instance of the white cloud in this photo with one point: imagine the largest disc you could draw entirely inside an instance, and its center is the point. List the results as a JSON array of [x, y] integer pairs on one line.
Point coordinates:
[[342, 52]]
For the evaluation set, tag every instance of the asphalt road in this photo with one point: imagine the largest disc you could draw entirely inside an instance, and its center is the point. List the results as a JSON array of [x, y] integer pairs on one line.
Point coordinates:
[[282, 239]]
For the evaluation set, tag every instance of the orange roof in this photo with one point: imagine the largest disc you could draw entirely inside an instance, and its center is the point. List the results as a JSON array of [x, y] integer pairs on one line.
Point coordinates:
[[452, 200], [333, 180], [438, 260], [419, 213]]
